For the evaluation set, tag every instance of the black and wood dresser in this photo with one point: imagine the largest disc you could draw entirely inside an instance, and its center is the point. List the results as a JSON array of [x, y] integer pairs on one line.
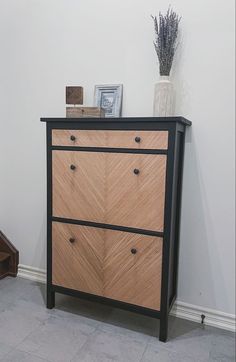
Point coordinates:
[[113, 204]]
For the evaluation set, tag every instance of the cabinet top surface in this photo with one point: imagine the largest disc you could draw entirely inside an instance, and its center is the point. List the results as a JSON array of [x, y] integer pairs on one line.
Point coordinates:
[[178, 119]]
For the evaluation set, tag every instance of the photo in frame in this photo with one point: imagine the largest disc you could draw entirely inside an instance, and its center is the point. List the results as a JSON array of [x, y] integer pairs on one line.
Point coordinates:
[[109, 97]]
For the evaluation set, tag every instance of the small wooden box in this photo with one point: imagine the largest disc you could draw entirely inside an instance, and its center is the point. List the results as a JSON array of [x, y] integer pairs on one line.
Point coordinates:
[[89, 112], [74, 95]]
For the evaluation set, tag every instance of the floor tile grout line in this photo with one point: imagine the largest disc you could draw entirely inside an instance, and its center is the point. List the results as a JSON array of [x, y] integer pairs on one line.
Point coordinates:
[[165, 346], [29, 353], [41, 323], [33, 331], [144, 352], [7, 354], [35, 355], [86, 342], [12, 349]]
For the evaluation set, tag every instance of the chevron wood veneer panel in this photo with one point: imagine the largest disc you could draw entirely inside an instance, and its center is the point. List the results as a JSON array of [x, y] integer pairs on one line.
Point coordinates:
[[133, 278], [100, 262], [104, 188], [136, 200], [83, 138], [111, 139], [79, 264], [79, 193], [148, 139]]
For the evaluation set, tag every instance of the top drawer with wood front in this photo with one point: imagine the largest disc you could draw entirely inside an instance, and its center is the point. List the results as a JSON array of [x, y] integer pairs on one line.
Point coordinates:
[[111, 139]]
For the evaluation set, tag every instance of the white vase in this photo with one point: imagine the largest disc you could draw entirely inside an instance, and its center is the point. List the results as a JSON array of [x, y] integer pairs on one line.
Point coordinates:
[[163, 98]]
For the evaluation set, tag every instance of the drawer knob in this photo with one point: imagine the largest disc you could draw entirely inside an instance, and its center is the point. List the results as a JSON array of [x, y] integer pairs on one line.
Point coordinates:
[[72, 240], [72, 167], [137, 139], [133, 251], [72, 137], [136, 171]]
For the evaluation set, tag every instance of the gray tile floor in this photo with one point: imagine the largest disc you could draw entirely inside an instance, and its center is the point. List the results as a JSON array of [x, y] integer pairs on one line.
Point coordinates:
[[88, 332]]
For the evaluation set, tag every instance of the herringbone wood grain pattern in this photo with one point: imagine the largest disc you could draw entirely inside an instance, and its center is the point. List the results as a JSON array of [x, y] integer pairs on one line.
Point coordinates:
[[103, 188], [112, 139], [100, 262], [136, 200], [78, 265], [133, 278], [80, 193]]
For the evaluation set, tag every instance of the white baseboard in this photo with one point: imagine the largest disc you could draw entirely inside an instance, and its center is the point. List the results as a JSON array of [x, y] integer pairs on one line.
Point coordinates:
[[31, 273], [213, 317], [180, 309]]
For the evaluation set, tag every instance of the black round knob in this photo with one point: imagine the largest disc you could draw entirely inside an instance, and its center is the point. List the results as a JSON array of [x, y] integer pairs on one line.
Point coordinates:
[[133, 251], [71, 240], [136, 171], [72, 167], [137, 139], [72, 137]]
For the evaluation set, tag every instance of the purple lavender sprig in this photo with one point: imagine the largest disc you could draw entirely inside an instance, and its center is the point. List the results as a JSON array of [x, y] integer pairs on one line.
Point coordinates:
[[166, 29]]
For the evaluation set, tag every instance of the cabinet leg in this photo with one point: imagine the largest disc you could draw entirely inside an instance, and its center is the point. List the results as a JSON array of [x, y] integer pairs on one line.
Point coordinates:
[[163, 333], [50, 299]]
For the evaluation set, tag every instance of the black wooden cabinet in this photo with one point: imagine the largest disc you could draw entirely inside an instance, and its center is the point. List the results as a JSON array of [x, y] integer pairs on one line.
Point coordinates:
[[114, 198]]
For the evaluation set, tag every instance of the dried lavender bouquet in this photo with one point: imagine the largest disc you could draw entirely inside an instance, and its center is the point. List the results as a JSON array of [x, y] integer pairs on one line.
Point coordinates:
[[166, 29]]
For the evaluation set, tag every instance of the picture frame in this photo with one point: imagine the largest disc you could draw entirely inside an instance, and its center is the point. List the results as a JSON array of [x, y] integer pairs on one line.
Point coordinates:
[[109, 97]]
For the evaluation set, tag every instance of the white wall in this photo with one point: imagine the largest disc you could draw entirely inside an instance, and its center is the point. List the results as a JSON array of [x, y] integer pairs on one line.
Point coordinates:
[[48, 44]]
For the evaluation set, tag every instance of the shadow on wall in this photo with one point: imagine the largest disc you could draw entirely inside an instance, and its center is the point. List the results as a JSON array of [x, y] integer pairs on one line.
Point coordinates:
[[42, 239], [199, 265]]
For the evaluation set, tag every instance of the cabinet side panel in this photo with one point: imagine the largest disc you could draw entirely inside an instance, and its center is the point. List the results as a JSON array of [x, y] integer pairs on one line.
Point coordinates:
[[176, 210]]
